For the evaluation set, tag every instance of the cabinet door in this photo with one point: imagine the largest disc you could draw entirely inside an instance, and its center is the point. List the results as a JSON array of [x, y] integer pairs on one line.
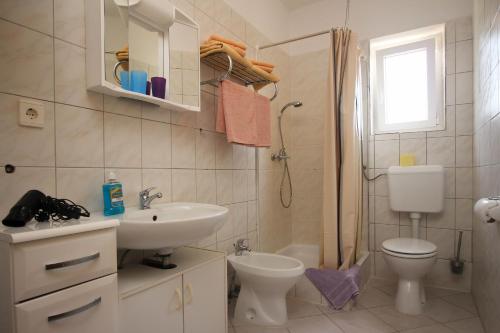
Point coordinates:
[[205, 299], [155, 310], [87, 307]]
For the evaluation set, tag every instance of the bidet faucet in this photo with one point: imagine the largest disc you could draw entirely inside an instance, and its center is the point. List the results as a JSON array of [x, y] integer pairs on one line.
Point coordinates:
[[241, 246], [145, 199]]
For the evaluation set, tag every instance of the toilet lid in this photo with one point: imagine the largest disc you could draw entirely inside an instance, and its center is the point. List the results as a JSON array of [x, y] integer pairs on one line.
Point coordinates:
[[412, 246]]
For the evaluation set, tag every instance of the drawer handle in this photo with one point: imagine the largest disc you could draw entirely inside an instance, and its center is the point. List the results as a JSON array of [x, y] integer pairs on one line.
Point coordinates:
[[73, 312], [72, 262], [179, 299]]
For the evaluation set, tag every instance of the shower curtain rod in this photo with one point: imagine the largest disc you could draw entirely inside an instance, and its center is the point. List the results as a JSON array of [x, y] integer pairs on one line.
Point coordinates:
[[294, 39]]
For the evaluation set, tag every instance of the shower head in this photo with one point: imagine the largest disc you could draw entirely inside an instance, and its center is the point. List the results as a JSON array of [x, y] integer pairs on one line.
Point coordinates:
[[295, 104]]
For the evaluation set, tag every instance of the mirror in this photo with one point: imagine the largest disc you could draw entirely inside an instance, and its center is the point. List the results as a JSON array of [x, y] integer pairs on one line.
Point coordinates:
[[184, 64], [145, 54]]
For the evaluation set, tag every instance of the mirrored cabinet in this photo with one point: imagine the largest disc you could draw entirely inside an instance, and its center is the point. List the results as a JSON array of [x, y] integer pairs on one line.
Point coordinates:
[[145, 50]]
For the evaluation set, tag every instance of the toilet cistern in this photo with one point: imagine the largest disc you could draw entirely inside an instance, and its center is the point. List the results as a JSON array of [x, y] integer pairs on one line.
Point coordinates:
[[416, 190]]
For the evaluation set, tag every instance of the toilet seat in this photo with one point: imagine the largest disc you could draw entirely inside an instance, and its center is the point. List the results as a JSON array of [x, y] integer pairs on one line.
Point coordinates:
[[411, 248]]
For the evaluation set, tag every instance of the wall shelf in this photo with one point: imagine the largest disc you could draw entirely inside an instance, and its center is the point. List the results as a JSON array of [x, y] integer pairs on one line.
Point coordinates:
[[113, 90], [221, 61]]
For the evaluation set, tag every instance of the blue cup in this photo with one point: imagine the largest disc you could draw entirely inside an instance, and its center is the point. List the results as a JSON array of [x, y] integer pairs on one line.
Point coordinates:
[[124, 80], [138, 81]]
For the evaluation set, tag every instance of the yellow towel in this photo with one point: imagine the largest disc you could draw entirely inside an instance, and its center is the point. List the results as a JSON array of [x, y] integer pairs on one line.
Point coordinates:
[[213, 45], [267, 69], [243, 61], [261, 63], [219, 38]]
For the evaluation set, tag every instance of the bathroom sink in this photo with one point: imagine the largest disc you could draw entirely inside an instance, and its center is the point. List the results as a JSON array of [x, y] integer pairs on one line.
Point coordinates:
[[170, 225]]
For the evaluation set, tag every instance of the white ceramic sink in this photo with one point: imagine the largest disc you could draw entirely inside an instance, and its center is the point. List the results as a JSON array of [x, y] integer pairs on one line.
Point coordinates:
[[170, 225]]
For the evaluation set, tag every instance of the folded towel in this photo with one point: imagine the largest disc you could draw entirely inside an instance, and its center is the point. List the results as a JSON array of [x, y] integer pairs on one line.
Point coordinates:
[[213, 45], [338, 287], [266, 69], [219, 38], [243, 115], [261, 63], [245, 63]]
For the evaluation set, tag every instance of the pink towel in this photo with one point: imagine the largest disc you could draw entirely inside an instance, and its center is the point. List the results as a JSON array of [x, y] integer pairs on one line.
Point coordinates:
[[243, 115]]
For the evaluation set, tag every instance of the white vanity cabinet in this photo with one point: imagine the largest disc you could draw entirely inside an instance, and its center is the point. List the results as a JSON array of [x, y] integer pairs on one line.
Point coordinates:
[[188, 299], [59, 278]]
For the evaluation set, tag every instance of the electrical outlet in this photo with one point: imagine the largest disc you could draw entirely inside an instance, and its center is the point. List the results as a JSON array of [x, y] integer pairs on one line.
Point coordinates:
[[31, 113]]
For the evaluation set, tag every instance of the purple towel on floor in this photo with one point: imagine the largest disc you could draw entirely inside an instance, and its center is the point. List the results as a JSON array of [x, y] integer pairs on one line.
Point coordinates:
[[338, 287]]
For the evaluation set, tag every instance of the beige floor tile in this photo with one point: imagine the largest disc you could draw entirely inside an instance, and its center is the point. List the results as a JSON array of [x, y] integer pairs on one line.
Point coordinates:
[[360, 322], [260, 329], [470, 325], [430, 329], [462, 300], [316, 324], [399, 320], [389, 289], [300, 309], [372, 297], [432, 292], [444, 312]]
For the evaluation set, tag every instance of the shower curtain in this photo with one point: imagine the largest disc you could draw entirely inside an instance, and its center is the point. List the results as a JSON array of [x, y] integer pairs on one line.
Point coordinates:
[[342, 172]]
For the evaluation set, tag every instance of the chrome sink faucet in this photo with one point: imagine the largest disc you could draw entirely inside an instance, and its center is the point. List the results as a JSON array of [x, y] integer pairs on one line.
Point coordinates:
[[145, 199], [241, 247]]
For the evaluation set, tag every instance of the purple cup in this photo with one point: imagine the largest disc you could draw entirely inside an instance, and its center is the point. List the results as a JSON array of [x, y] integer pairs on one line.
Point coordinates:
[[148, 88], [158, 85]]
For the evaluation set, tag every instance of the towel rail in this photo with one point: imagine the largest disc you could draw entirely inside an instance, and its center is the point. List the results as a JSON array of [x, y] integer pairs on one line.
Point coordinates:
[[231, 68]]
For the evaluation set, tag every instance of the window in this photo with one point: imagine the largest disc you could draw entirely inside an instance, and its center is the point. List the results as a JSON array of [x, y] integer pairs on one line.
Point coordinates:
[[407, 81]]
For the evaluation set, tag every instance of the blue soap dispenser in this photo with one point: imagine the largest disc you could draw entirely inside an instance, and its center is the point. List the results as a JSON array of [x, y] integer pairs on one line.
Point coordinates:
[[113, 196]]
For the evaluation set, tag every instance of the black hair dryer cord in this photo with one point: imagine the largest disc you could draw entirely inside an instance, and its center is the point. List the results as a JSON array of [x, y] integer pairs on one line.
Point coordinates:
[[35, 204]]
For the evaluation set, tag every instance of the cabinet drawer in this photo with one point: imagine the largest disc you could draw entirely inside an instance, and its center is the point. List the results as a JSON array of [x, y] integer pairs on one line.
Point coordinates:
[[88, 307], [43, 266]]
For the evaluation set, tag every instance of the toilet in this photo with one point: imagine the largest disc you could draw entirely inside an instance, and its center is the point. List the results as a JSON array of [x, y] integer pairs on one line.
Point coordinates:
[[265, 280], [415, 190]]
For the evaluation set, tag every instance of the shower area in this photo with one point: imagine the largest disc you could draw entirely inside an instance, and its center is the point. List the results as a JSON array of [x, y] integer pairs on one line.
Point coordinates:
[[290, 217]]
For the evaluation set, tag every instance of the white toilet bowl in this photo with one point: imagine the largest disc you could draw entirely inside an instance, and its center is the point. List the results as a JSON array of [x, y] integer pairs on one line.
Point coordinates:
[[265, 280], [411, 259]]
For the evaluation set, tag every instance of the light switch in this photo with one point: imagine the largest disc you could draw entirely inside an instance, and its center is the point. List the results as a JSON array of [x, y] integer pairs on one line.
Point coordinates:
[[31, 113]]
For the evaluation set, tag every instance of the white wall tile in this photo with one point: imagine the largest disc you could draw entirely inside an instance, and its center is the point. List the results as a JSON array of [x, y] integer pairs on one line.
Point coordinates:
[[123, 106], [224, 186], [444, 239], [35, 14], [463, 182], [240, 185], [464, 56], [384, 232], [81, 185], [441, 151], [386, 153], [416, 147], [23, 73], [464, 119], [464, 29], [444, 219], [206, 186], [383, 212], [464, 151], [205, 150], [223, 153], [122, 141], [183, 147], [464, 88], [463, 214], [183, 185], [70, 87], [156, 145], [79, 137], [21, 145], [69, 21]]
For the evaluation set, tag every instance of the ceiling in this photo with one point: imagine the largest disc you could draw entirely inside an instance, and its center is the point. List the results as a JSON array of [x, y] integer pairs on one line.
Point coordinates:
[[296, 4]]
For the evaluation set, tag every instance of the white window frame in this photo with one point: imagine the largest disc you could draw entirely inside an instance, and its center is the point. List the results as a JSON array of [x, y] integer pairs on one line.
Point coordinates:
[[433, 41]]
